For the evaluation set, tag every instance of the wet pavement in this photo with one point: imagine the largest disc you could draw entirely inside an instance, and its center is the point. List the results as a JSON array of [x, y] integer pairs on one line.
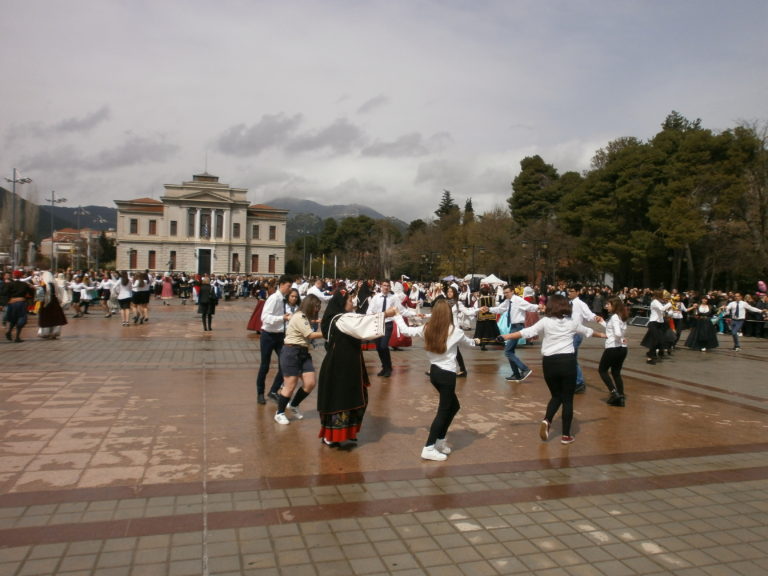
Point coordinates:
[[141, 450]]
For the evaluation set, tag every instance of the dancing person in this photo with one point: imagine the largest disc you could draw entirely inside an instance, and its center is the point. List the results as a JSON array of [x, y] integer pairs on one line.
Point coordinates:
[[342, 390], [141, 295], [166, 292], [273, 321], [514, 307], [296, 361], [124, 289], [654, 338], [703, 334], [17, 292], [441, 341], [379, 303], [615, 351], [486, 329], [557, 329], [206, 303], [737, 309], [580, 313], [51, 316], [460, 311]]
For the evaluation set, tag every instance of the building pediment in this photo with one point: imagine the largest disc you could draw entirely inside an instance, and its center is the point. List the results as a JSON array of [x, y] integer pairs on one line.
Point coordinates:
[[197, 197]]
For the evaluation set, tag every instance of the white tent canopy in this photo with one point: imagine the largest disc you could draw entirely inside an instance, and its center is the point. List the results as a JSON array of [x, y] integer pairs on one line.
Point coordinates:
[[469, 277], [492, 280]]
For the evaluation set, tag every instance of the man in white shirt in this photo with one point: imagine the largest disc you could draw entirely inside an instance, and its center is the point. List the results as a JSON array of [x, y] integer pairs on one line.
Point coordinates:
[[274, 318], [737, 309], [318, 289], [514, 307], [380, 303], [581, 314]]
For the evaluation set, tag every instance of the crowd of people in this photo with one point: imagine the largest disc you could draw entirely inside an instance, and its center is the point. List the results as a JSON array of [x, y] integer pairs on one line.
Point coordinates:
[[353, 315], [369, 311]]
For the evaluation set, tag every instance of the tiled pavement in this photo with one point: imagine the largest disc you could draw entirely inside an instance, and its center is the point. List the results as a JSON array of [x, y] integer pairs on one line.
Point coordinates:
[[140, 450]]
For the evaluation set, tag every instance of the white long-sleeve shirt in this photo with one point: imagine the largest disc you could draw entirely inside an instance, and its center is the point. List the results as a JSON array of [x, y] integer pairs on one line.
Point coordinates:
[[446, 360], [519, 306], [657, 310], [557, 334], [615, 331], [272, 314], [377, 305], [738, 309], [581, 313]]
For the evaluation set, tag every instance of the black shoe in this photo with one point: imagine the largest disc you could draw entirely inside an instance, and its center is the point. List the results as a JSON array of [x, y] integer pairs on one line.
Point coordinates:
[[396, 349], [274, 396], [8, 336], [381, 372], [386, 373], [18, 339], [461, 374], [260, 399], [580, 389]]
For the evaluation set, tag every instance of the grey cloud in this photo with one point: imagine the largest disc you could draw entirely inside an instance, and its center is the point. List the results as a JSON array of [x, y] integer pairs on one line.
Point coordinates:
[[409, 145], [340, 137], [372, 104], [69, 125], [271, 130], [84, 124], [135, 150]]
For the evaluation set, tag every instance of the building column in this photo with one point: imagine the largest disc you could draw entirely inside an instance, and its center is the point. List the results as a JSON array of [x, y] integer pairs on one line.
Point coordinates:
[[197, 224]]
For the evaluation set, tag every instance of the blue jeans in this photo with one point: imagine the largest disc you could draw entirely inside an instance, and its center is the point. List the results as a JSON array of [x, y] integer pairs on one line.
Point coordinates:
[[577, 340], [270, 342], [736, 326], [517, 365]]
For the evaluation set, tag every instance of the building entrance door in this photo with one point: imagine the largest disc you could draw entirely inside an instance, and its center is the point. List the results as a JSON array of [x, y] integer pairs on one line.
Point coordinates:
[[203, 261]]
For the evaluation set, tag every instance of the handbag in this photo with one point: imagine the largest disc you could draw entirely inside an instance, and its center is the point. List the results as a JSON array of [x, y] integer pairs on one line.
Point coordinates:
[[361, 326]]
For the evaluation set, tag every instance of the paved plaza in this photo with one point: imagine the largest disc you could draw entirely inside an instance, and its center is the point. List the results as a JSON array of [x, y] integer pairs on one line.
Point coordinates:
[[141, 451]]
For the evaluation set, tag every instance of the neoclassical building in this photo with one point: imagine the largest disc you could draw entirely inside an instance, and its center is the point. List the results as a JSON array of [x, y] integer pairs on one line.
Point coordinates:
[[202, 226]]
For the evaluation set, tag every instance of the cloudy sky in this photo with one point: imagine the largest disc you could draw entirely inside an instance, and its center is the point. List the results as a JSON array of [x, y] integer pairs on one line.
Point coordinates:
[[384, 103]]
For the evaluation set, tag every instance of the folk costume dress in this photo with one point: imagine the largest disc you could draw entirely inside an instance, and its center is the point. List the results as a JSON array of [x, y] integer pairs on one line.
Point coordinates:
[[342, 390], [486, 329]]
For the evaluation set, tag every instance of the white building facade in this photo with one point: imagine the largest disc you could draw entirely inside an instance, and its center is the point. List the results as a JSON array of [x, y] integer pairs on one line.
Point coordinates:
[[201, 227]]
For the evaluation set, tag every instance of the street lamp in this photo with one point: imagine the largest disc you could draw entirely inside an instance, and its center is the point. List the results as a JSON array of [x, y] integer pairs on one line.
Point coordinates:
[[15, 180], [537, 246], [53, 202], [464, 251], [429, 259]]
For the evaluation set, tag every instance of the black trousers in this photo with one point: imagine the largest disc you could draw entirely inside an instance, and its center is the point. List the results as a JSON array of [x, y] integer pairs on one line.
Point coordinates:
[[560, 376], [613, 359], [448, 405], [382, 347]]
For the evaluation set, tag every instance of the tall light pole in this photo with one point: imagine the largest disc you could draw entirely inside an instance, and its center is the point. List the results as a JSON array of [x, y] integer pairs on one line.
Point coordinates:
[[538, 246], [53, 202], [14, 256], [79, 212], [464, 250]]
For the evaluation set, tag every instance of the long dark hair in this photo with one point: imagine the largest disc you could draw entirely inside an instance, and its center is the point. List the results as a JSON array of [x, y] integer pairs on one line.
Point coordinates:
[[336, 305]]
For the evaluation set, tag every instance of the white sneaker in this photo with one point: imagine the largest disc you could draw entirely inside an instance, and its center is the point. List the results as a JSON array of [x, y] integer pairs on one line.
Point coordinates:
[[282, 419], [296, 412], [431, 453], [442, 447]]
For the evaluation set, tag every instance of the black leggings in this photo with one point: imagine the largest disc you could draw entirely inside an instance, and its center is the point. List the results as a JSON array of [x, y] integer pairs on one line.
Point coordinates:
[[560, 376], [613, 359], [445, 383]]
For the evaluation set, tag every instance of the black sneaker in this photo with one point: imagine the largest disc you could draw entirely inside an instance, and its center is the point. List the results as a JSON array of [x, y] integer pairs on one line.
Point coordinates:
[[526, 374], [274, 396], [512, 378], [580, 389]]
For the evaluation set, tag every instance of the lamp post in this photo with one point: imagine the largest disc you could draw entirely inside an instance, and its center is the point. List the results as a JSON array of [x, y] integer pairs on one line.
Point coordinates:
[[537, 246], [473, 247], [14, 181], [80, 211], [429, 259], [53, 202]]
